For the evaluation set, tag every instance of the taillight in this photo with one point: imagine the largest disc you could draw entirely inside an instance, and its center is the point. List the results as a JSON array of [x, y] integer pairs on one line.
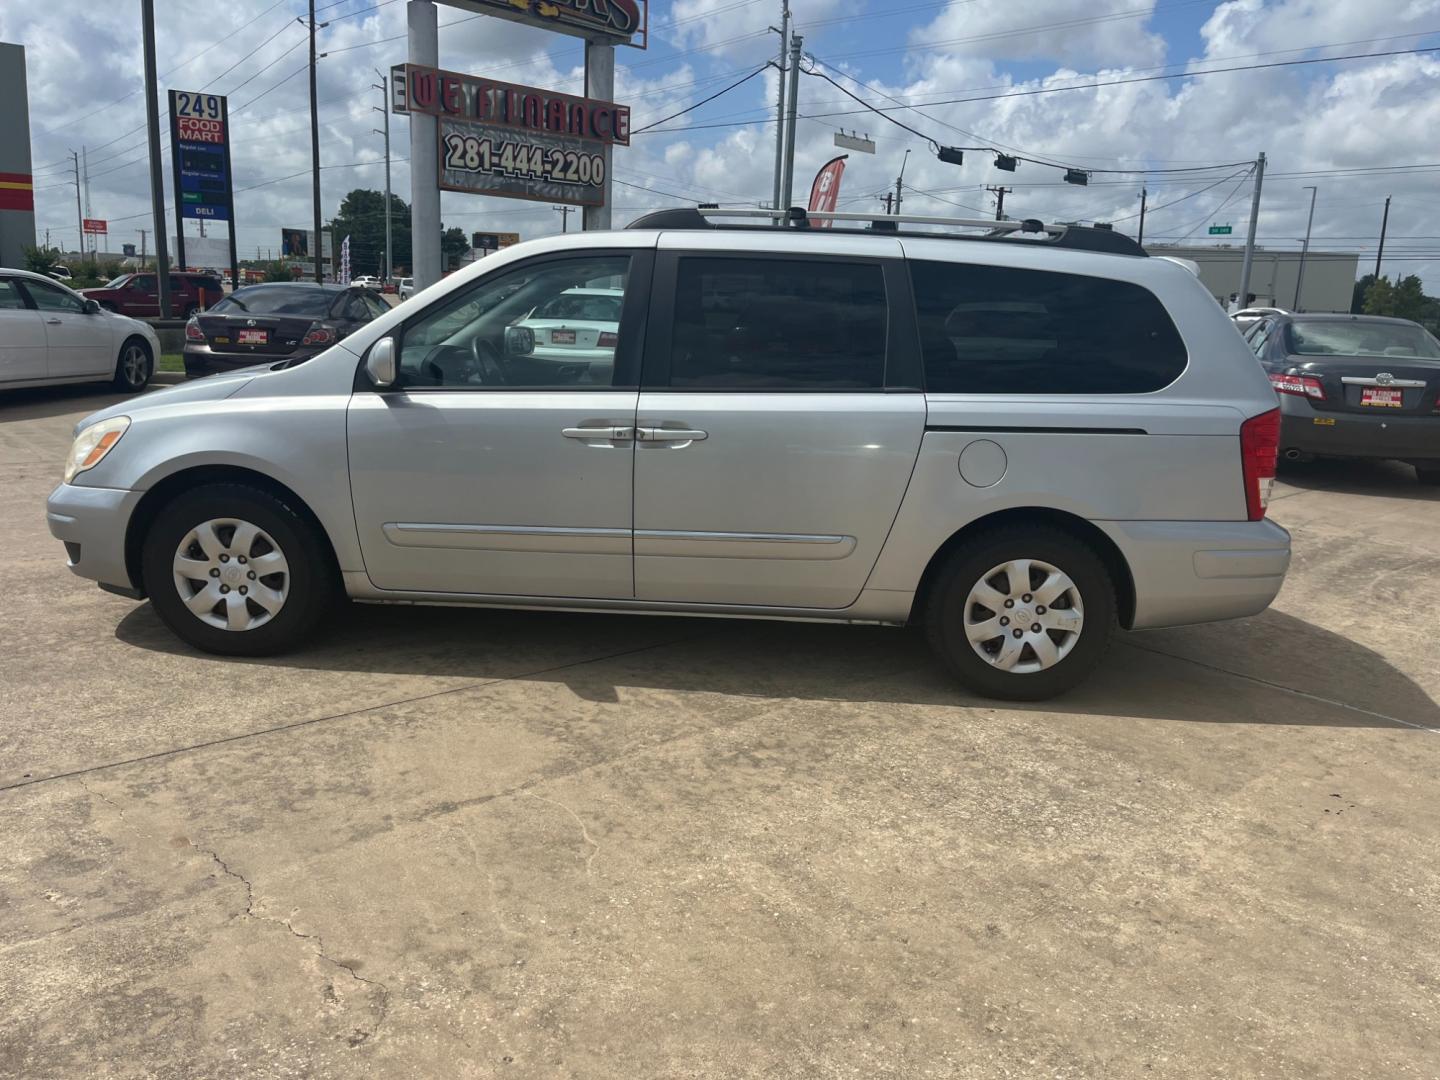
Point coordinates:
[[1259, 450], [1299, 385], [607, 340], [193, 331], [318, 335]]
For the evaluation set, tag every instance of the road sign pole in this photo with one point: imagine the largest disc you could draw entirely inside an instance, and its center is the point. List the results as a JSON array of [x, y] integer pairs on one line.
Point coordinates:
[[157, 179], [424, 155], [600, 83]]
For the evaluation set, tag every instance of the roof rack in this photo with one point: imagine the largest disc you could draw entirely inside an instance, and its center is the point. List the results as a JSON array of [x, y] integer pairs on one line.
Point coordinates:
[[1030, 230]]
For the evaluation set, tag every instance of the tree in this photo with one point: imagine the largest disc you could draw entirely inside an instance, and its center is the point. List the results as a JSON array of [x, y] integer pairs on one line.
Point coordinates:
[[278, 271], [1410, 300], [362, 218], [1357, 295], [1380, 297], [453, 246], [41, 260]]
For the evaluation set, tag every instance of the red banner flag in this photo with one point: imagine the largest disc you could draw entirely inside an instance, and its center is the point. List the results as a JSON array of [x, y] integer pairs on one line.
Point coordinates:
[[825, 191]]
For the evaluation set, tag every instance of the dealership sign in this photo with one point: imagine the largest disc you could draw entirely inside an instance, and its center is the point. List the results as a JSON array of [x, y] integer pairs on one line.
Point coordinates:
[[606, 22], [498, 138], [93, 226], [200, 153]]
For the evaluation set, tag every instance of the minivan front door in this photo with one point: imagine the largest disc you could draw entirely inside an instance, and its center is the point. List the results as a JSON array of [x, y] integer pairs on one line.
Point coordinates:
[[772, 449], [491, 469]]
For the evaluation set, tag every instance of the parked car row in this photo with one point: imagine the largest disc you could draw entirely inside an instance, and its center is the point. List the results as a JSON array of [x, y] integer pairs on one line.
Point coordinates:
[[1018, 440]]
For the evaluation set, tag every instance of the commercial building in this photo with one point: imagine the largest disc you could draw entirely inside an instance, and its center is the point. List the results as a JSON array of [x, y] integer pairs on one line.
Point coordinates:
[[1329, 275]]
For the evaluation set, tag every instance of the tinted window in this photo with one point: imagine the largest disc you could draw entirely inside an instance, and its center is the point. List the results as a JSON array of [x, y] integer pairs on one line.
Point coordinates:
[[53, 298], [1358, 338], [10, 297], [377, 306], [355, 308], [775, 324], [998, 330], [1261, 336], [143, 282], [484, 337], [276, 299]]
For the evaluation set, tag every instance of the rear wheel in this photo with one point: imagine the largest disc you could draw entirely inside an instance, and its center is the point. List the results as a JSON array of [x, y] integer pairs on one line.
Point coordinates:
[[1022, 613], [234, 570], [134, 367]]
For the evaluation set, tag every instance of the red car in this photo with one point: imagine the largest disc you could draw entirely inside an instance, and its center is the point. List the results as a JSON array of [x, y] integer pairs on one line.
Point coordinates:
[[138, 295]]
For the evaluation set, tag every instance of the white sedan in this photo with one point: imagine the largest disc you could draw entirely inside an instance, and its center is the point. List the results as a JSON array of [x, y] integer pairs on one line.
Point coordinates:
[[365, 281], [578, 326], [50, 334]]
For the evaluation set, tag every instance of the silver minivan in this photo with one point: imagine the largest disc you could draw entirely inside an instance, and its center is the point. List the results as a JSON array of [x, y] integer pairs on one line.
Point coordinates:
[[1019, 436]]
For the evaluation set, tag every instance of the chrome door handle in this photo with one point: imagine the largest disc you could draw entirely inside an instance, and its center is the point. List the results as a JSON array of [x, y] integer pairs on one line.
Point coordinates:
[[651, 434], [614, 434], [53, 322]]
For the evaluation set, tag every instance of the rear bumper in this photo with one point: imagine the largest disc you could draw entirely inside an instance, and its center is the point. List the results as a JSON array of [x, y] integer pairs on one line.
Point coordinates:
[[1201, 571], [202, 360], [1356, 435], [91, 522]]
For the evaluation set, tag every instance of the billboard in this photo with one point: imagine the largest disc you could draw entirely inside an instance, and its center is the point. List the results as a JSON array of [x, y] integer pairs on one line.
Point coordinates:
[[200, 153], [608, 22], [489, 243], [93, 226], [300, 244], [520, 142]]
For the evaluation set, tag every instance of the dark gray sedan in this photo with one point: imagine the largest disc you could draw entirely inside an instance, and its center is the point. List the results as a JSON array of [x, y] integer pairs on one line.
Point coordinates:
[[1354, 386], [290, 321]]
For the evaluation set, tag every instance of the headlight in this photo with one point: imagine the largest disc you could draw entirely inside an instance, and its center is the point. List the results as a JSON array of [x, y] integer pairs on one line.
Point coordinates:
[[92, 444]]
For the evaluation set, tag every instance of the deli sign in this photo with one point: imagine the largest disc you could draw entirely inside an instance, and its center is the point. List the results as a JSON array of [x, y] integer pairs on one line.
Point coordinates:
[[607, 22]]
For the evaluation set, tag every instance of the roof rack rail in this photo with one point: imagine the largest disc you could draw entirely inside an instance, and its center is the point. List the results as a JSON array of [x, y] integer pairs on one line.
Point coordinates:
[[1077, 237]]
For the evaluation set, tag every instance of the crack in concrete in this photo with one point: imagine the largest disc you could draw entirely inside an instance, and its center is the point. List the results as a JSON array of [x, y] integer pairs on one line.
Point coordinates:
[[584, 832], [360, 1035]]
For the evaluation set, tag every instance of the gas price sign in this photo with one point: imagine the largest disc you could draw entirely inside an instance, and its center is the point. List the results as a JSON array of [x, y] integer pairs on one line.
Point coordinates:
[[200, 153]]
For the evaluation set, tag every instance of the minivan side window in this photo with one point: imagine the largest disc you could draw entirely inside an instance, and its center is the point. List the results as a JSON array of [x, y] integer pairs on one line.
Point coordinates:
[[763, 323], [1001, 330], [494, 336]]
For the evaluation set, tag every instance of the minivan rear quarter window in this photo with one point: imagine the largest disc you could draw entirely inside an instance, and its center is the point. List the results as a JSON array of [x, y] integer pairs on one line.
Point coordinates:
[[1001, 330], [778, 324]]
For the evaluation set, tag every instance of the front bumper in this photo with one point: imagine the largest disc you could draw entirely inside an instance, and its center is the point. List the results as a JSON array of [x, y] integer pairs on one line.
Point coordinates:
[[91, 522], [1356, 435], [1201, 571]]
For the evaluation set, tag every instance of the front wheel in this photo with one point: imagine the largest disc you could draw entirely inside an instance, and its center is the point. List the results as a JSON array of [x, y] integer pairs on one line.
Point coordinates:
[[1022, 613], [233, 570], [134, 367]]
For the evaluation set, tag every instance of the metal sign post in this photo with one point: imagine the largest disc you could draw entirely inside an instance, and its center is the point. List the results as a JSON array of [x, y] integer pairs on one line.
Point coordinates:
[[600, 83], [424, 153]]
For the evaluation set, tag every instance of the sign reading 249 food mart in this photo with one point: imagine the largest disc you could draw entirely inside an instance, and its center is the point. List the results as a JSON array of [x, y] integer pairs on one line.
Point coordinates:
[[498, 138], [609, 22]]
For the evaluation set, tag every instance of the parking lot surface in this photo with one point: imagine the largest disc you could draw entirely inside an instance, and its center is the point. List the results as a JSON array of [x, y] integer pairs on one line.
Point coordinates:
[[461, 843]]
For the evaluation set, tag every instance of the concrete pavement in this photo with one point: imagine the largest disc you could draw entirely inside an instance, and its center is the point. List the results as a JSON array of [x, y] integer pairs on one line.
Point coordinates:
[[473, 844]]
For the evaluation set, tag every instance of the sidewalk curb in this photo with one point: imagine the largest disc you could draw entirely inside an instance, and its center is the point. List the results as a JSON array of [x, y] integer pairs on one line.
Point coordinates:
[[167, 378]]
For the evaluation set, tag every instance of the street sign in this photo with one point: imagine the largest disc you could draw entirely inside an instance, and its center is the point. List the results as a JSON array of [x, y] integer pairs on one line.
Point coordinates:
[[1219, 230], [854, 142], [610, 22], [520, 142], [93, 226]]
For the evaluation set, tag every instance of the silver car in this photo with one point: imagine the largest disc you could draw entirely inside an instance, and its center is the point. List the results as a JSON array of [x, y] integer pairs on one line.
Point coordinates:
[[1019, 439]]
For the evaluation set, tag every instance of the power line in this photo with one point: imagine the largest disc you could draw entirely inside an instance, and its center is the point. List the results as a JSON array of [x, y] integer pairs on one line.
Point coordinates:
[[706, 101]]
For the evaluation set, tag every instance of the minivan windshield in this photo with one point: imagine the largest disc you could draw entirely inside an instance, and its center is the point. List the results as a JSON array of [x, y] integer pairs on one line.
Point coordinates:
[[1341, 338], [276, 299]]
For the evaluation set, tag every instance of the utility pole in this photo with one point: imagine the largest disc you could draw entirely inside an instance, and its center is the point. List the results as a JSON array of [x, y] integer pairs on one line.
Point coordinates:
[[1144, 195], [787, 181], [143, 250], [564, 212], [79, 211], [889, 202], [157, 178], [384, 110], [900, 182], [1242, 299], [1305, 248], [1000, 193], [315, 154], [784, 33], [1384, 222]]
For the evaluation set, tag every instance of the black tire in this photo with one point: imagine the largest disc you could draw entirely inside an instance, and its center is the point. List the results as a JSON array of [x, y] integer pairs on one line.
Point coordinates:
[[945, 611], [128, 379], [311, 576]]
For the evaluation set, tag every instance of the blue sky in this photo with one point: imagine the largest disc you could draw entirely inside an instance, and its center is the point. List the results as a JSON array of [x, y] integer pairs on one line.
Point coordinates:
[[1341, 126]]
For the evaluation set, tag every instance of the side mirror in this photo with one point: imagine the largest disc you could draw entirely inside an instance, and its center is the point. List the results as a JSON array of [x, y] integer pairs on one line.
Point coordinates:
[[519, 341], [92, 307], [380, 363]]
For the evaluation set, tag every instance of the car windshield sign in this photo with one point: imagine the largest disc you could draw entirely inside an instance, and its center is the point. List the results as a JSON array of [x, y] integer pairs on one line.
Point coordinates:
[[276, 300], [1341, 338]]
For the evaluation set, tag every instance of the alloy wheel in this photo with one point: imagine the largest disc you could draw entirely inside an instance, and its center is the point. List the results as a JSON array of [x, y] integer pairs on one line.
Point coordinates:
[[231, 574], [1024, 616], [134, 364]]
